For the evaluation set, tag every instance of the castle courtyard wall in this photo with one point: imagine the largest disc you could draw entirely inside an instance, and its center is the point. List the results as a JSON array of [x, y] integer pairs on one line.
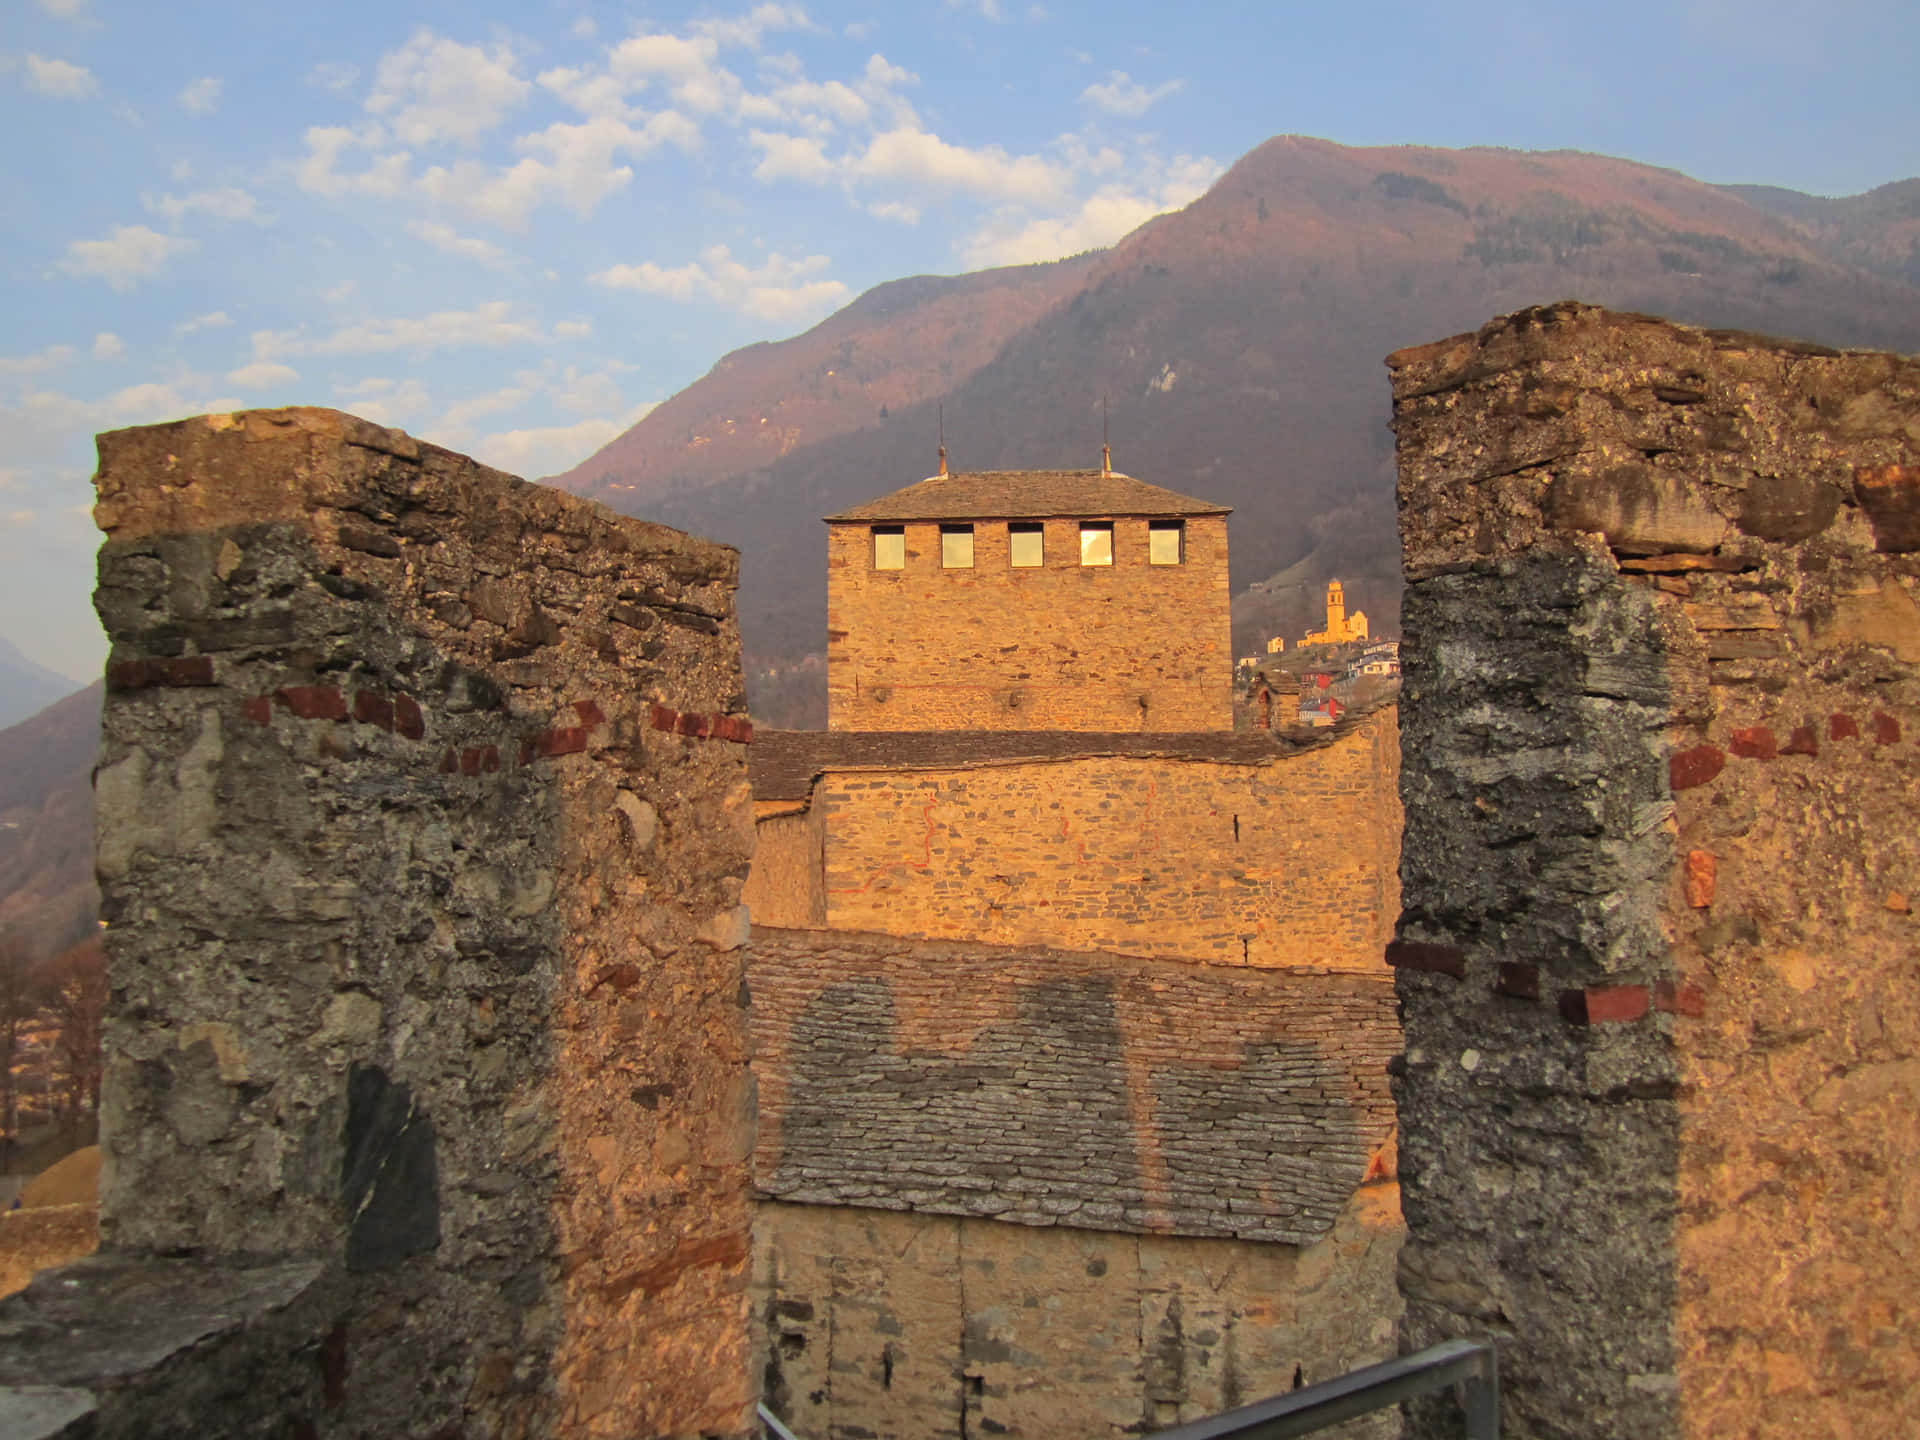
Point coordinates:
[[898, 1324], [1064, 646], [1262, 855], [1052, 1194], [1656, 962], [422, 823]]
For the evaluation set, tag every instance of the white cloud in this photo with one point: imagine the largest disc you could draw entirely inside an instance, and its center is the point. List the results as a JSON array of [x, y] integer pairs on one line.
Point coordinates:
[[778, 290], [554, 448], [131, 253], [434, 90], [338, 293], [1121, 94], [589, 92], [261, 375], [1110, 213], [573, 330], [64, 9], [462, 413], [60, 78], [448, 241], [227, 203], [746, 30], [684, 65], [385, 176], [50, 358], [108, 346], [578, 165], [333, 75], [212, 320], [790, 157], [897, 210], [202, 97], [491, 324], [386, 402], [594, 393], [918, 157]]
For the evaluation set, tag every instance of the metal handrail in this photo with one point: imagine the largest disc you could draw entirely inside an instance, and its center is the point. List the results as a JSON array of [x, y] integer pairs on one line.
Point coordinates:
[[1468, 1363], [775, 1429], [1300, 1412]]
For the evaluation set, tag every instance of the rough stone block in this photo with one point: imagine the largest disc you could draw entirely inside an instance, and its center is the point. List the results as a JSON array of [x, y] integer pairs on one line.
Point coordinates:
[[1607, 1192], [354, 1015]]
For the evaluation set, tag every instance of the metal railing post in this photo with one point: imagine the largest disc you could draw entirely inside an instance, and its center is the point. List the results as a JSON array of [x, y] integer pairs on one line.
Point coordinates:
[[1482, 1399]]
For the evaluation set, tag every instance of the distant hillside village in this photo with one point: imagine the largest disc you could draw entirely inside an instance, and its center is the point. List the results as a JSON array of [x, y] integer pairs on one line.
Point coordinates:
[[1332, 670]]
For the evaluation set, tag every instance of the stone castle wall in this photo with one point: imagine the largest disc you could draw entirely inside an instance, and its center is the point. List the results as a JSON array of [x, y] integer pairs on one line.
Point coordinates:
[[423, 819], [1661, 705], [900, 1324], [1064, 646], [1197, 1161], [1255, 855]]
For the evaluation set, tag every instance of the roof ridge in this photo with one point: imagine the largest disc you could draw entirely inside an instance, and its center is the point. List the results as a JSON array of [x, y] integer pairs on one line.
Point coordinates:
[[1028, 494]]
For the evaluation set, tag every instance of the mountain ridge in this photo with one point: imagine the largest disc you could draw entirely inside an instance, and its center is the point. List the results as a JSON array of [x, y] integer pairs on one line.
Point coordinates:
[[1237, 347]]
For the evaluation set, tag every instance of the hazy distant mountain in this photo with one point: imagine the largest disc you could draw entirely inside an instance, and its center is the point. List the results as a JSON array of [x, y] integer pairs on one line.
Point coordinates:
[[26, 688], [1878, 231], [47, 894], [1238, 344]]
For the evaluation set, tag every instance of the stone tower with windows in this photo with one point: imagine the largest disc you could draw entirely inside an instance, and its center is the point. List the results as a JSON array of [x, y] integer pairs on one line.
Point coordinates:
[[1029, 600]]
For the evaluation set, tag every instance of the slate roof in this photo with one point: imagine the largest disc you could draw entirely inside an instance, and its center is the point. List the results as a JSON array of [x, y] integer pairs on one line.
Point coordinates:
[[1027, 495], [782, 764]]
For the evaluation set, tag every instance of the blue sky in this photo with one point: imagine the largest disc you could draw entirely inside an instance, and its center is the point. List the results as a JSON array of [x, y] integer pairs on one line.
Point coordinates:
[[512, 229]]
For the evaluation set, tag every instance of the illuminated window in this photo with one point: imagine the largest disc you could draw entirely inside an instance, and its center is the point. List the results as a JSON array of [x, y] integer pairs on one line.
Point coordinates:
[[1096, 544], [1163, 542], [956, 547], [889, 547], [1025, 548]]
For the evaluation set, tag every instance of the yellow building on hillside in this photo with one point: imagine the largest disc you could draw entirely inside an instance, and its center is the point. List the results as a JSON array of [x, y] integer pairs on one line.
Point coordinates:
[[1341, 627]]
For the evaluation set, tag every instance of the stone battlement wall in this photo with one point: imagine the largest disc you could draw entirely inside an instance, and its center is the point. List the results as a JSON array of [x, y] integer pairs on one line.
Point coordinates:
[[897, 1323], [1052, 1088], [1245, 852], [423, 819], [1063, 646], [1659, 724]]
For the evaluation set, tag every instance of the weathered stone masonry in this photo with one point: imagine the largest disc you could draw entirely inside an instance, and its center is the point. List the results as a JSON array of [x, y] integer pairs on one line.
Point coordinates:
[[1236, 849], [1196, 1159], [423, 819], [1126, 646], [1657, 952]]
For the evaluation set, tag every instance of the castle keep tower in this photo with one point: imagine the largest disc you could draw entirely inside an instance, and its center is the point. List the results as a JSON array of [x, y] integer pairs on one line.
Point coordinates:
[[1029, 600]]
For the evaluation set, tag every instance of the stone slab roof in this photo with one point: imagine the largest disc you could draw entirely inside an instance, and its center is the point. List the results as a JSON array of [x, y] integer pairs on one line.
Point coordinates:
[[1027, 495], [784, 763], [953, 1078]]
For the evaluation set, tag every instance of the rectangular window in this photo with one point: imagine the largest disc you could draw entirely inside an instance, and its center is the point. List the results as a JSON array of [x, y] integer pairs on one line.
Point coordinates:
[[1025, 548], [1163, 542], [889, 547], [956, 547], [1096, 544]]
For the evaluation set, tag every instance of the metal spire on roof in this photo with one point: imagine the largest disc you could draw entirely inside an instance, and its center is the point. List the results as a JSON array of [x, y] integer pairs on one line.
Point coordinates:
[[1106, 450], [943, 438]]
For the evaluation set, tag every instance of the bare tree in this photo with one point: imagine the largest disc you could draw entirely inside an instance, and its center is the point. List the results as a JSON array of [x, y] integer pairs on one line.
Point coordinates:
[[19, 1000], [76, 997]]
